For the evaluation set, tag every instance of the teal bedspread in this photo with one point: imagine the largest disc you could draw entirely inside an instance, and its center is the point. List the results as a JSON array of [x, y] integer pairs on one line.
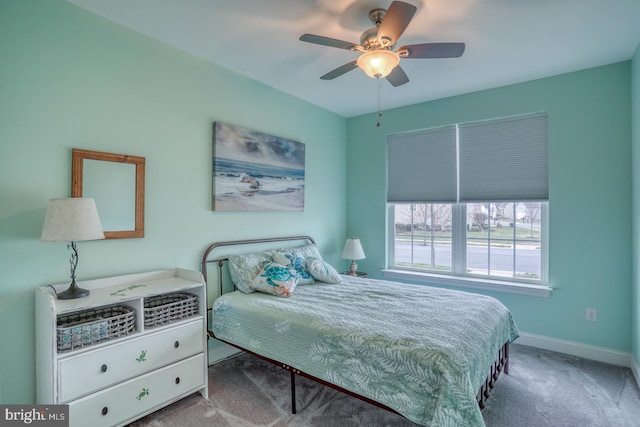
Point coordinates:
[[422, 351]]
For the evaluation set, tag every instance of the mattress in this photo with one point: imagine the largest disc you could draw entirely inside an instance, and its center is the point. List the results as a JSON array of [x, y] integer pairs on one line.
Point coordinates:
[[422, 351]]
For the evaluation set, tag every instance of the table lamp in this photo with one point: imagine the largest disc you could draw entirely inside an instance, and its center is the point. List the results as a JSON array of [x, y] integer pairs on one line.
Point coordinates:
[[72, 220], [353, 251]]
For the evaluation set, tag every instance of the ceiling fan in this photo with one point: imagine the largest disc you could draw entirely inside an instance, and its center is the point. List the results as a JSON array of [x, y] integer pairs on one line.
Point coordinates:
[[378, 59]]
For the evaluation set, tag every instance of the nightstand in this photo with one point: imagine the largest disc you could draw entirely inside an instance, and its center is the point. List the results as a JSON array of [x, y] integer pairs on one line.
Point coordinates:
[[360, 274]]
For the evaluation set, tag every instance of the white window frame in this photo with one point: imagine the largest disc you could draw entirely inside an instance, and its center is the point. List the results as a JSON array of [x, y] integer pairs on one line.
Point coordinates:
[[458, 277]]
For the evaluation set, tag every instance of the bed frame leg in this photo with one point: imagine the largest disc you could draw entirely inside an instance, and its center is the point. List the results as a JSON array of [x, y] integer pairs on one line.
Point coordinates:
[[500, 365], [506, 356], [293, 392]]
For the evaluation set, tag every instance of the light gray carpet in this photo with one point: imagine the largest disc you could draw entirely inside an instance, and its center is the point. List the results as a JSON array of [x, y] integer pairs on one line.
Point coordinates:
[[543, 389]]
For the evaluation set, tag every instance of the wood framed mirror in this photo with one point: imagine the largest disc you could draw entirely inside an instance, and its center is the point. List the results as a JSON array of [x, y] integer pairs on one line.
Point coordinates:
[[116, 182]]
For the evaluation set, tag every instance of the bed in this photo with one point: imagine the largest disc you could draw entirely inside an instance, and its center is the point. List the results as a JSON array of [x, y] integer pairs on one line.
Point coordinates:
[[429, 354]]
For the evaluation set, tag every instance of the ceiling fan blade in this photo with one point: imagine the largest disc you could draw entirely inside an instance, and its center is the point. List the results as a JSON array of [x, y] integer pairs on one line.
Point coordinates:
[[395, 21], [398, 77], [431, 50], [340, 70], [328, 41]]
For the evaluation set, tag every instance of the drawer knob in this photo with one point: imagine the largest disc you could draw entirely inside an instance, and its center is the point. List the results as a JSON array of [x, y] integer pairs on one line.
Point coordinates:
[[176, 344], [103, 368], [105, 410], [177, 380]]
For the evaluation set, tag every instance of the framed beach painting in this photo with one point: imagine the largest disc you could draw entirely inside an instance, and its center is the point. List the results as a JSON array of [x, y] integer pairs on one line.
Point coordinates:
[[253, 171]]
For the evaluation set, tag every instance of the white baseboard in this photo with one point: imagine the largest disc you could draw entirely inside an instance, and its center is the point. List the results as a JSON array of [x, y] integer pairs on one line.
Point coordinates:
[[573, 348]]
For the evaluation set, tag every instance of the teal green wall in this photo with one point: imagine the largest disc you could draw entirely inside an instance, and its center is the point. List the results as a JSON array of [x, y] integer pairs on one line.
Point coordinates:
[[589, 200], [71, 79], [635, 129]]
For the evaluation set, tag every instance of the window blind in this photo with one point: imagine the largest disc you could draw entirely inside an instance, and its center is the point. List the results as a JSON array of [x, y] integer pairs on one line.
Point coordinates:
[[504, 159], [421, 166]]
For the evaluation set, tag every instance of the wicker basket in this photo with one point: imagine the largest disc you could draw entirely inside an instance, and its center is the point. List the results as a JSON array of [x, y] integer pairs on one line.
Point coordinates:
[[168, 308], [88, 327]]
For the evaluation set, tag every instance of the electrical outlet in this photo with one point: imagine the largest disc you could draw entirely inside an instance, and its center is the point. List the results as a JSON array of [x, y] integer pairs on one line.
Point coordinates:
[[591, 315]]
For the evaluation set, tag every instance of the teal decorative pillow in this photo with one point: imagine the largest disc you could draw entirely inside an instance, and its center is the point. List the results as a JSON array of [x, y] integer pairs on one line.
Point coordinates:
[[243, 268], [275, 279], [297, 262], [322, 271]]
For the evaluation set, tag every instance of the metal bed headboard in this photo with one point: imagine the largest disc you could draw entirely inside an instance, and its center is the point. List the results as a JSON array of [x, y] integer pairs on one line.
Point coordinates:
[[205, 257]]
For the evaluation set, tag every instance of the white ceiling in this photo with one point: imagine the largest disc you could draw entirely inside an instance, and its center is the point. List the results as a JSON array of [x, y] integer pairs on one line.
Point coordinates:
[[507, 41]]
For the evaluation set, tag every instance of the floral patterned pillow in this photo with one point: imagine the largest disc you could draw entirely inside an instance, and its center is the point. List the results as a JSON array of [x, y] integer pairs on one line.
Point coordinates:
[[243, 268], [323, 271], [275, 279], [293, 260]]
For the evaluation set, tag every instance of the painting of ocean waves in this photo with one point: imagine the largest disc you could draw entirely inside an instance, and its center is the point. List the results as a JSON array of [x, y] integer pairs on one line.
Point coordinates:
[[253, 171]]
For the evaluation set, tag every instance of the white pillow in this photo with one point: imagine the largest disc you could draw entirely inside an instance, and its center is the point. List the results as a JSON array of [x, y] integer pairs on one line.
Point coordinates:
[[322, 271], [304, 251]]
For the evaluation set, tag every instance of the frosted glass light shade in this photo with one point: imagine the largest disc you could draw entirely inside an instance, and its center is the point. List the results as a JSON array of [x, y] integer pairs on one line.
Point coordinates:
[[353, 249], [71, 219], [378, 63]]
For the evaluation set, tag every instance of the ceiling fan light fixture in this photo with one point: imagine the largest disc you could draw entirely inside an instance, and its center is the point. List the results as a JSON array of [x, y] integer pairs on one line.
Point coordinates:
[[378, 63]]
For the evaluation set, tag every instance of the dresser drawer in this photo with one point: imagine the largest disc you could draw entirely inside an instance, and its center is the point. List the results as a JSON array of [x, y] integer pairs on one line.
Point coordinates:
[[96, 369], [132, 399]]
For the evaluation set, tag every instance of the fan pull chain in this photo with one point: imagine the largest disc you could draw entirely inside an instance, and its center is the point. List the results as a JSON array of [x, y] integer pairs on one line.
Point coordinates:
[[379, 101]]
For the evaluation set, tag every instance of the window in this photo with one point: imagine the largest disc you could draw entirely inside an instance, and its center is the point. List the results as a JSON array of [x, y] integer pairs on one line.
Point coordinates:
[[422, 237], [500, 240], [470, 200]]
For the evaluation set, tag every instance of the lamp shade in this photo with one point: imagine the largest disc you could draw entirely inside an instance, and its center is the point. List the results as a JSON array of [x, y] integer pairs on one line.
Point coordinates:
[[71, 219], [353, 249], [378, 63]]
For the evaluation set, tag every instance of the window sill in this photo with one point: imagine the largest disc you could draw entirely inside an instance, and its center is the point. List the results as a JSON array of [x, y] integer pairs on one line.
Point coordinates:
[[469, 282]]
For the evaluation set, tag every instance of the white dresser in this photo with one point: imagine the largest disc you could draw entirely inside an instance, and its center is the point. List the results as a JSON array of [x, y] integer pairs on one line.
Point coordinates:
[[136, 344]]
